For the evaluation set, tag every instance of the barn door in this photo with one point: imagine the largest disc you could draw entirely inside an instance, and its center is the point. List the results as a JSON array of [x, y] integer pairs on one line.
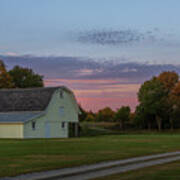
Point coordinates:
[[47, 130], [73, 129]]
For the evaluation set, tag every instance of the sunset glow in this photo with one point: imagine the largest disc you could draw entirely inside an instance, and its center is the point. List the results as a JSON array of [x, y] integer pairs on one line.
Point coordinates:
[[97, 94], [100, 49]]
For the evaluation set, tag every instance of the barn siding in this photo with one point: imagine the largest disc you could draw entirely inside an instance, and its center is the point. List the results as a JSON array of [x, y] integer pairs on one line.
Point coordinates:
[[53, 118], [11, 130], [70, 111], [39, 129]]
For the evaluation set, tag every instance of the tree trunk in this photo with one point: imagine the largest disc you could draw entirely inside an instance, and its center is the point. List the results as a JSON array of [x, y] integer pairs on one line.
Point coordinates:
[[171, 123], [149, 125], [159, 122], [121, 125]]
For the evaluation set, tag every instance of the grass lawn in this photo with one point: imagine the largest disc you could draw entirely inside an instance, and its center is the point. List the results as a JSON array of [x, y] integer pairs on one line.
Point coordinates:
[[23, 156], [169, 171]]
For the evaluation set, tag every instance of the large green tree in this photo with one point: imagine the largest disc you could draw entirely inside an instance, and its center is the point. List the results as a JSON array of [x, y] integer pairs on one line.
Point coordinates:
[[122, 116], [25, 78], [143, 119], [152, 96]]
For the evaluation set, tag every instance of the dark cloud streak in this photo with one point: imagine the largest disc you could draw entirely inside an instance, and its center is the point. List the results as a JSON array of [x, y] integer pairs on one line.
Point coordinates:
[[116, 37], [82, 68]]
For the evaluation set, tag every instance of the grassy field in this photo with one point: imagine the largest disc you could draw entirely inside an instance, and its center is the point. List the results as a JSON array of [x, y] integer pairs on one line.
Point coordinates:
[[106, 128], [164, 172], [23, 156]]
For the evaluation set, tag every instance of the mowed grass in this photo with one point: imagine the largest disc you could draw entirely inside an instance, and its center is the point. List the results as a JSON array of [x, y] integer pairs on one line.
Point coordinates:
[[23, 156], [169, 171]]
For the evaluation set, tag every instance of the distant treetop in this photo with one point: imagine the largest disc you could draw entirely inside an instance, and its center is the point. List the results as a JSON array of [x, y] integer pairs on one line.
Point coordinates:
[[19, 77]]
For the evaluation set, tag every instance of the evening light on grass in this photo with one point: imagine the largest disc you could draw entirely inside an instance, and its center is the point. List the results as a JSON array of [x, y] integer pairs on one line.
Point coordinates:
[[24, 156]]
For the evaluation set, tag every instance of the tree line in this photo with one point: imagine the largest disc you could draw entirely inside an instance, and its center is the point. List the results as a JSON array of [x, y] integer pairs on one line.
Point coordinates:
[[159, 100], [159, 106]]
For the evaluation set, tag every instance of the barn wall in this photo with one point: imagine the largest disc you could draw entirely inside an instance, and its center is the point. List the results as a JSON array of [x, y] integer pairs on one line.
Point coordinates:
[[50, 124], [70, 111], [13, 130], [38, 132]]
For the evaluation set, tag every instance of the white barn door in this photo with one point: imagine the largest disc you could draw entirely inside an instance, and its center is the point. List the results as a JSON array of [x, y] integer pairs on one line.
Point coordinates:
[[47, 129]]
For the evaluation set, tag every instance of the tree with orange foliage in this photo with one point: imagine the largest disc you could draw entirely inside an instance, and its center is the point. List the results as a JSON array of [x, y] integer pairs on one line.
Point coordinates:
[[5, 78], [170, 80], [106, 114], [90, 117], [174, 99], [175, 94]]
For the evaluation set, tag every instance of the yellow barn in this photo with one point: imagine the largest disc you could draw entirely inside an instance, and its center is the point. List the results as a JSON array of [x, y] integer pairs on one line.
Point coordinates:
[[50, 112]]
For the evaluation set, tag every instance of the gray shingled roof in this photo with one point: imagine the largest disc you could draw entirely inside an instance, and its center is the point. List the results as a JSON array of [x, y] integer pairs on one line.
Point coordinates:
[[21, 105], [35, 99], [18, 117]]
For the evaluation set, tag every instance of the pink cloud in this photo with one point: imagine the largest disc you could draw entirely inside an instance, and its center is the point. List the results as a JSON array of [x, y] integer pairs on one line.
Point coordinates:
[[83, 81], [96, 103], [97, 94], [11, 54]]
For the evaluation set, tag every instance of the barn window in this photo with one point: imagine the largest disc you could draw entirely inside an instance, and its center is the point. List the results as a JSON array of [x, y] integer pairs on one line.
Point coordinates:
[[63, 125], [33, 125], [61, 94], [61, 111]]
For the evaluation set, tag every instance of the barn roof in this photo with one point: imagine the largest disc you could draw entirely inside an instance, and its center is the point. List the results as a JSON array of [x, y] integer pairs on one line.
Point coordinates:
[[34, 99], [18, 117]]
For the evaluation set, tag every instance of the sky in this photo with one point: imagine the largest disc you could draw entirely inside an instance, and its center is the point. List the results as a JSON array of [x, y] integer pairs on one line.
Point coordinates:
[[103, 50]]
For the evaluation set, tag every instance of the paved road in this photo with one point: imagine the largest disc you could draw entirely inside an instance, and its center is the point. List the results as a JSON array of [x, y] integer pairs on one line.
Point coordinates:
[[97, 170], [116, 170]]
